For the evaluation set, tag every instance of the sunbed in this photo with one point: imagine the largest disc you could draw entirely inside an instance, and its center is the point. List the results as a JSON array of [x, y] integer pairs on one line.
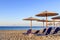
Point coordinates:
[[28, 32]]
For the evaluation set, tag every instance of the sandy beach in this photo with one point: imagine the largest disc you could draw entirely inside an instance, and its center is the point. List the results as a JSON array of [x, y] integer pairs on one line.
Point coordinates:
[[17, 35]]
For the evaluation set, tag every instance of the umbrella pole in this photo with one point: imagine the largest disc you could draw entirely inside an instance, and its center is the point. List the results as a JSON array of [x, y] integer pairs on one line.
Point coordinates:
[[54, 23], [59, 23], [31, 24], [43, 23], [46, 22]]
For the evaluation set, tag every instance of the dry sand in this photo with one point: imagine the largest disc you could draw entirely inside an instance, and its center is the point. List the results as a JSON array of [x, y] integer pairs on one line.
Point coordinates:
[[17, 35]]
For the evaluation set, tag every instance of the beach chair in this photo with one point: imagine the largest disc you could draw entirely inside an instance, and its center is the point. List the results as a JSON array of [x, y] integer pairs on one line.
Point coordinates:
[[28, 32], [56, 30], [48, 31], [44, 30], [36, 32], [39, 31]]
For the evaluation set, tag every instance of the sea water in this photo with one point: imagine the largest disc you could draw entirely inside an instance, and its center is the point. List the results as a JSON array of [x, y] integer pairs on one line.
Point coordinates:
[[20, 27]]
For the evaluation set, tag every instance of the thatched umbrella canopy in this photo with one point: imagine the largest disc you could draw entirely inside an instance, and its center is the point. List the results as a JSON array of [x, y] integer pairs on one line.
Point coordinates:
[[46, 14], [31, 19], [54, 18], [57, 17]]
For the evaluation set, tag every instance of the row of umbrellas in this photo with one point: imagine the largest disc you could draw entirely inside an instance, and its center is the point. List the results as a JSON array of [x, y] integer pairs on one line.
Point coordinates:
[[43, 14]]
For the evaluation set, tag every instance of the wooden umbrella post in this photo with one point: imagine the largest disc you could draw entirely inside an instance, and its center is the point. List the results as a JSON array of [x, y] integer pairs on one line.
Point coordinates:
[[46, 22], [43, 23], [59, 23], [54, 22], [31, 24]]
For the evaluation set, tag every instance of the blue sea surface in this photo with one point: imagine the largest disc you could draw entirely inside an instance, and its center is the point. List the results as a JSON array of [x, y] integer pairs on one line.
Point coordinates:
[[20, 27]]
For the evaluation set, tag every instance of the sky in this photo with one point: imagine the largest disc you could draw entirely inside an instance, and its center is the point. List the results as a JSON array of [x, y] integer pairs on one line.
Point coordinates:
[[13, 11]]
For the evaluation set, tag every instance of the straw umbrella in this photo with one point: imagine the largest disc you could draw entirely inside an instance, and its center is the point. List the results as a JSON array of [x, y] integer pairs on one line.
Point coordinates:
[[46, 14], [54, 18], [43, 21], [31, 19], [57, 17]]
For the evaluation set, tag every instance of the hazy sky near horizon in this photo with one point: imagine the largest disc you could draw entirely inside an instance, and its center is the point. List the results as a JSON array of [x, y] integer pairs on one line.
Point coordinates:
[[13, 11]]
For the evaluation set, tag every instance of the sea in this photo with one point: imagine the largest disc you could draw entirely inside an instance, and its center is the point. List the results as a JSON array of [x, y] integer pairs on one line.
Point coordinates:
[[21, 27]]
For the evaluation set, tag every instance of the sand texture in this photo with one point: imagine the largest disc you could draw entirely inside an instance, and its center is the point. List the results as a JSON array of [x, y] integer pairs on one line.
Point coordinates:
[[17, 35]]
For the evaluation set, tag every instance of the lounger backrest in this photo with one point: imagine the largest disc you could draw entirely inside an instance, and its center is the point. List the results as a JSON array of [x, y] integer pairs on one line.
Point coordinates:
[[49, 30], [44, 30], [37, 32], [56, 30], [29, 31]]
